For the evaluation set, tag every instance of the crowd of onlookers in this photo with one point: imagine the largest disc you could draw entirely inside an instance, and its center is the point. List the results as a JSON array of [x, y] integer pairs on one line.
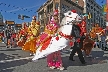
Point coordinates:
[[8, 37], [101, 42], [2, 36]]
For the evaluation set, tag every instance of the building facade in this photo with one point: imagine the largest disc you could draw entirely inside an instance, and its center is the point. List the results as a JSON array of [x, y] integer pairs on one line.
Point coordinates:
[[1, 18], [89, 7], [1, 22], [95, 10], [46, 10]]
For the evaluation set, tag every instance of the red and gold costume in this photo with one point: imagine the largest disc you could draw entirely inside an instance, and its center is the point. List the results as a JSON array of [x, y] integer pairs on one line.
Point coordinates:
[[50, 30], [87, 42], [33, 32], [22, 36], [95, 31], [82, 26]]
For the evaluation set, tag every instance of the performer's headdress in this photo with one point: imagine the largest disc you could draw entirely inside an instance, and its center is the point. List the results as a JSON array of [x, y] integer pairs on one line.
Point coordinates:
[[56, 12], [74, 11], [52, 19], [34, 17]]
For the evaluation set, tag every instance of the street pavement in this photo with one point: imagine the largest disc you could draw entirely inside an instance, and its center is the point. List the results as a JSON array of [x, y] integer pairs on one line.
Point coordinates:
[[16, 60]]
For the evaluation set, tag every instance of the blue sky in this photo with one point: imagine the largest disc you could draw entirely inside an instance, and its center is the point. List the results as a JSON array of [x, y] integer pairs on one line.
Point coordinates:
[[101, 2], [10, 8]]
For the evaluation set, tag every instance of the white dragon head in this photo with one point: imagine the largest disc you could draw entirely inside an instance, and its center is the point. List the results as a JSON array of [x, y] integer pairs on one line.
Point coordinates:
[[72, 16]]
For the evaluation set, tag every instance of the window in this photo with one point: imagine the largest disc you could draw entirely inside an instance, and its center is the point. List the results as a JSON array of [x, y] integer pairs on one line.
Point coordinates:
[[94, 9], [91, 7], [88, 5], [65, 8], [56, 5], [91, 2]]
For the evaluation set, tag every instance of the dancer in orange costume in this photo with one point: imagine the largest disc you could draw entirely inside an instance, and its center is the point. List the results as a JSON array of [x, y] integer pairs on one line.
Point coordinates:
[[33, 32], [88, 44], [97, 28], [22, 35]]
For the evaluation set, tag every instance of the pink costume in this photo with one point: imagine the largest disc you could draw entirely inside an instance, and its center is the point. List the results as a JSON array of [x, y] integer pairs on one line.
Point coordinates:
[[54, 60]]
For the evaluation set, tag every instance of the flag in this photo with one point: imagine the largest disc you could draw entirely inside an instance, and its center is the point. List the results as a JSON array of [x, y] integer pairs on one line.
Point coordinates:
[[104, 8], [89, 16]]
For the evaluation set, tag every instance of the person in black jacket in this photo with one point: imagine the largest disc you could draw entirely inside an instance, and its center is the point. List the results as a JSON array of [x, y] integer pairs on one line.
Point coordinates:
[[8, 34], [77, 44]]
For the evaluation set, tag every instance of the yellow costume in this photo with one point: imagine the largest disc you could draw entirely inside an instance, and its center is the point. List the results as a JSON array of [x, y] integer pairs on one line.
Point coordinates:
[[33, 32]]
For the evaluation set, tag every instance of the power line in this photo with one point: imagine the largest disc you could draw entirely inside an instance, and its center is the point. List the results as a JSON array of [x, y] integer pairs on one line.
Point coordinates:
[[16, 8]]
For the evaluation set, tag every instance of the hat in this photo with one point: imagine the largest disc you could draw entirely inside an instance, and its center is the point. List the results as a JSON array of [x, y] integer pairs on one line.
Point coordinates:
[[34, 17], [74, 11]]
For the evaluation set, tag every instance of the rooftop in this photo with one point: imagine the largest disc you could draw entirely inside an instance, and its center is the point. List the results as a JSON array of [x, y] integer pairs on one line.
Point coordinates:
[[69, 1]]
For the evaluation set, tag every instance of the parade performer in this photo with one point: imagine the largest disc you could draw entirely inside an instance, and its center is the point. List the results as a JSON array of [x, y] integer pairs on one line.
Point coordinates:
[[93, 33], [83, 33], [62, 38], [54, 60], [22, 35], [88, 44], [33, 32], [77, 34]]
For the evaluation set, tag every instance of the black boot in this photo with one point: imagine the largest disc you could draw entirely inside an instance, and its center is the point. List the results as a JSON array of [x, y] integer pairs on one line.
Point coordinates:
[[83, 62], [71, 58]]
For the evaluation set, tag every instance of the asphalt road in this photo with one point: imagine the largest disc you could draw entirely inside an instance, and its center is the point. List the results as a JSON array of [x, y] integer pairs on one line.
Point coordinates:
[[16, 60]]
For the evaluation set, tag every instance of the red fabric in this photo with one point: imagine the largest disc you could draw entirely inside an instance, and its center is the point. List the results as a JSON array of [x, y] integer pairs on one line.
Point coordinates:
[[2, 34], [78, 40], [66, 36], [14, 35], [82, 26], [101, 28], [71, 43], [45, 45]]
